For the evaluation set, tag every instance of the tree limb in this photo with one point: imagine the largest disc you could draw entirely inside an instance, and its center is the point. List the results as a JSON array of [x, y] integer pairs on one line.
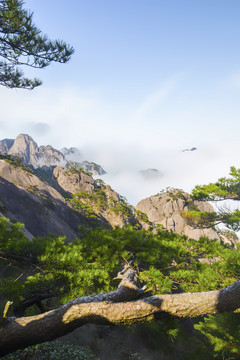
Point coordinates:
[[118, 307]]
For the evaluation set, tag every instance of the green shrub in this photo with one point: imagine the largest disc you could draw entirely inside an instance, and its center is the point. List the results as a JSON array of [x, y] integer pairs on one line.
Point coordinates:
[[55, 350]]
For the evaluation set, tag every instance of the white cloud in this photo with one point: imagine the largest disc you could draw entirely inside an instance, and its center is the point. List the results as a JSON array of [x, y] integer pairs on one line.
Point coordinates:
[[180, 170], [124, 141]]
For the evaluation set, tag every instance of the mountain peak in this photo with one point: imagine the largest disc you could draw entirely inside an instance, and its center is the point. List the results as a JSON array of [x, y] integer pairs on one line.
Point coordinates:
[[25, 147], [46, 156]]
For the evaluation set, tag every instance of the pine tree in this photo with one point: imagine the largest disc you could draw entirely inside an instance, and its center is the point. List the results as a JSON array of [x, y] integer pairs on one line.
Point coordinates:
[[22, 43], [223, 189]]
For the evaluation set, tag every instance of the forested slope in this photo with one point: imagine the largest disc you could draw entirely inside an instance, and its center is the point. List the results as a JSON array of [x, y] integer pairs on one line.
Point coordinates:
[[109, 275]]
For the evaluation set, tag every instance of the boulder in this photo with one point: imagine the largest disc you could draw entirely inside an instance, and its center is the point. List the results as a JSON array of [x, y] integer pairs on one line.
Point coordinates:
[[167, 208]]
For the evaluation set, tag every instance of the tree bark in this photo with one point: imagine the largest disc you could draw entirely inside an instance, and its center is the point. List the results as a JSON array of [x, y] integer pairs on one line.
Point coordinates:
[[119, 307]]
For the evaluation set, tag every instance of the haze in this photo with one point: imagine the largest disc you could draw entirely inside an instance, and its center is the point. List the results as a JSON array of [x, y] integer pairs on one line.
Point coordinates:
[[148, 79]]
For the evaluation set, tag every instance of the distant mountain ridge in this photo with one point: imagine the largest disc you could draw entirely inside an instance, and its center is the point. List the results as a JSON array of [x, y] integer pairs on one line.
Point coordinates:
[[151, 174], [56, 194], [46, 156]]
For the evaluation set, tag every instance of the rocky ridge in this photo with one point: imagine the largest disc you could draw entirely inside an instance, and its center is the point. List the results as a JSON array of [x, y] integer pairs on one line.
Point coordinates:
[[58, 199], [45, 156], [73, 199], [94, 199], [87, 166]]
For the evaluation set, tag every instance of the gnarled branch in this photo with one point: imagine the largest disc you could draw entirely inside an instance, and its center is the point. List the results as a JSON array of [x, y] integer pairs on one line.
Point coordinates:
[[117, 307]]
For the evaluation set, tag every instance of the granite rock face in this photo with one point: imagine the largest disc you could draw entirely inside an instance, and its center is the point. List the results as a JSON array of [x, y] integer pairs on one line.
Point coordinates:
[[106, 205], [27, 149], [72, 181], [87, 166], [167, 208], [40, 207], [43, 209], [46, 157], [5, 145]]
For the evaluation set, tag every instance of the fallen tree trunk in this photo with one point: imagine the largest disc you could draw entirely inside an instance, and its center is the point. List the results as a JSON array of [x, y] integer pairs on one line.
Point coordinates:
[[119, 307]]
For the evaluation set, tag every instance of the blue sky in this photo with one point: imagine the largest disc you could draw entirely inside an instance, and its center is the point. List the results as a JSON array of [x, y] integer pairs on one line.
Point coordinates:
[[148, 79]]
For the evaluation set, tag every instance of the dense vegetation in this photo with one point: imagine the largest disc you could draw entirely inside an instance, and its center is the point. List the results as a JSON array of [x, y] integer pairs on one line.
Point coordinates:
[[54, 350], [223, 189], [47, 272], [41, 274]]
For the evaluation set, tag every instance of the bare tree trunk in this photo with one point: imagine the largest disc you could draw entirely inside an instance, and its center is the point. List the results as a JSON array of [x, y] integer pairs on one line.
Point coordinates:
[[119, 307]]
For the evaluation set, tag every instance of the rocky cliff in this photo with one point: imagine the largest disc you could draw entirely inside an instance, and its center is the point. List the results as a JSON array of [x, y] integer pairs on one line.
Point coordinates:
[[167, 208], [72, 180], [5, 145], [73, 199], [40, 207], [57, 199], [27, 149], [87, 166], [45, 157], [94, 199]]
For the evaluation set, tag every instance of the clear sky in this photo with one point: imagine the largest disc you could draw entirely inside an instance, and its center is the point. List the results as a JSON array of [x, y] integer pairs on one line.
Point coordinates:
[[148, 79]]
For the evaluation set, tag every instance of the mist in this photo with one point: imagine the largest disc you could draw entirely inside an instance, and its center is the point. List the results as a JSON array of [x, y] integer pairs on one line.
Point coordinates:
[[177, 169], [127, 138]]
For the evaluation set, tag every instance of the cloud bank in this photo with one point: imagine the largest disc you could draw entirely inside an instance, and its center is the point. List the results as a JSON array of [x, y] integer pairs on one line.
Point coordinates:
[[127, 138]]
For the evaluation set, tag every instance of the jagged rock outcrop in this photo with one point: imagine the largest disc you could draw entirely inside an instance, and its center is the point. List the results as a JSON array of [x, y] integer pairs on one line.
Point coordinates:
[[167, 208], [25, 148], [46, 157], [87, 166], [94, 199], [5, 145], [72, 181]]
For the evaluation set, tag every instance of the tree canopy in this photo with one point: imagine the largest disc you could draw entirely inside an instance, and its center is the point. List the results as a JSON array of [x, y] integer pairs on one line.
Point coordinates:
[[58, 286], [22, 43], [224, 189], [49, 287]]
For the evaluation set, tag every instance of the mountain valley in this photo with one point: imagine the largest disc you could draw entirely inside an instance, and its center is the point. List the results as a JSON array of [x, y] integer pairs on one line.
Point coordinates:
[[50, 192]]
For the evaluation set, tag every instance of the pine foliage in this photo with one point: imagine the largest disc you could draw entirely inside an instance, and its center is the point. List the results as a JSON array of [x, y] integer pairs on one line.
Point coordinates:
[[167, 263], [22, 43], [223, 189]]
